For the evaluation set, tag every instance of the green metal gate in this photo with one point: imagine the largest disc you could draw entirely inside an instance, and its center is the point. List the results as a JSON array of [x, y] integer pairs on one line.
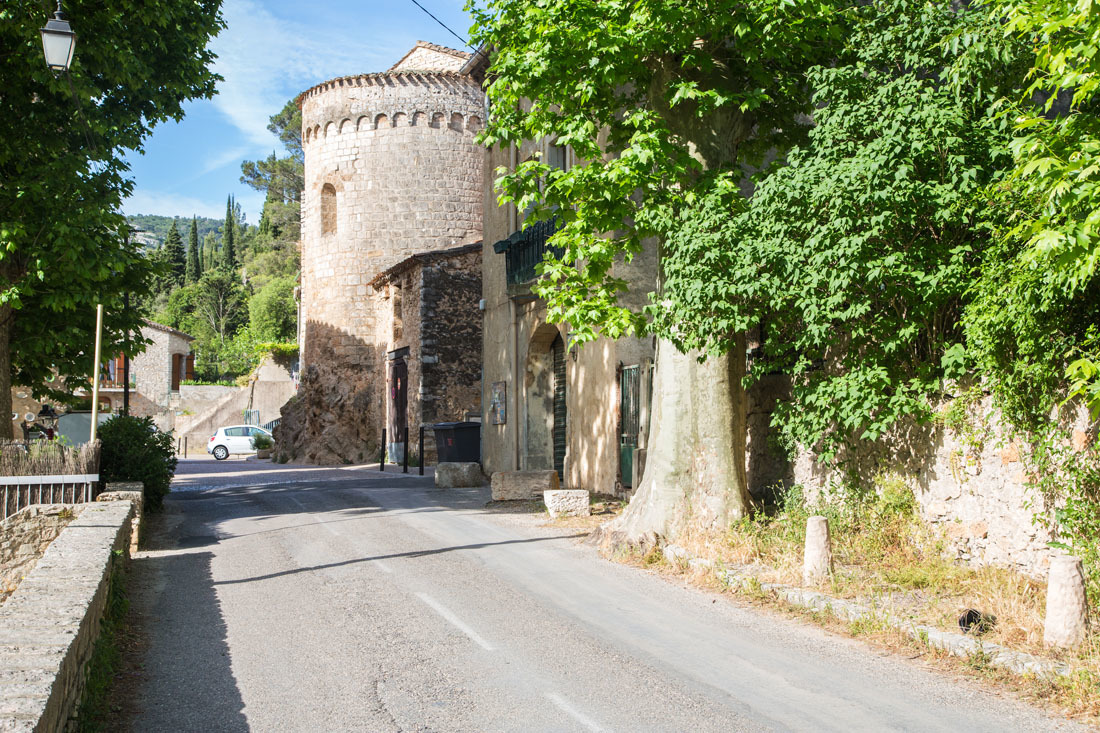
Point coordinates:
[[558, 349], [630, 420]]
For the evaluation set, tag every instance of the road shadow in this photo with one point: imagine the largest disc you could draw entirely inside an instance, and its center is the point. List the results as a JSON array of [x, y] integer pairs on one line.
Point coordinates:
[[182, 674], [390, 556]]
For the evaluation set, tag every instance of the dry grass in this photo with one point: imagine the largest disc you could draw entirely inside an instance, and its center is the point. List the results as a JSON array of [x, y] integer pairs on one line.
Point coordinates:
[[47, 458], [888, 559]]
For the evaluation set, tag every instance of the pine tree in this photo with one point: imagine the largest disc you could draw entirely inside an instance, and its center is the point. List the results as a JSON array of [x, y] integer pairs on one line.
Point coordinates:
[[174, 255], [194, 263], [229, 236]]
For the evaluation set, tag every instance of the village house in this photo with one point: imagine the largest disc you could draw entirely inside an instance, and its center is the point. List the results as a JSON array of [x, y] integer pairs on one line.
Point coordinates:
[[583, 412], [155, 378]]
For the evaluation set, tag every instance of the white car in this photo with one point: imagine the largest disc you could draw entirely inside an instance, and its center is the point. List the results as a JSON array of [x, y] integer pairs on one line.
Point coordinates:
[[234, 440]]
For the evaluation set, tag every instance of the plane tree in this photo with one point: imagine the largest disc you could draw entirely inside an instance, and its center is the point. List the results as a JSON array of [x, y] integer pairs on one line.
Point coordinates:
[[869, 140], [63, 241], [666, 102]]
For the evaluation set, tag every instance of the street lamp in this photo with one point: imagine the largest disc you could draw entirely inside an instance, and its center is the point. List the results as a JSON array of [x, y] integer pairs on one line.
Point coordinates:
[[58, 42], [47, 416]]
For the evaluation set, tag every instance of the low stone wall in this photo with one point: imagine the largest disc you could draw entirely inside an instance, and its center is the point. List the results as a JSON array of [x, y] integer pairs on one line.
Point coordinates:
[[49, 626], [971, 483], [25, 535], [133, 491]]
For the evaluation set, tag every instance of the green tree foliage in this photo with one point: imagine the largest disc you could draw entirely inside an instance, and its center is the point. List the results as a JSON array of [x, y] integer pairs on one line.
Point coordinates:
[[229, 236], [660, 98], [175, 256], [272, 312], [1035, 320], [209, 251], [856, 254], [63, 244], [194, 263], [134, 450]]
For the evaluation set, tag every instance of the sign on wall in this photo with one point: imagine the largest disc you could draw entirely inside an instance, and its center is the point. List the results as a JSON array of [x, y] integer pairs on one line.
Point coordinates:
[[498, 414]]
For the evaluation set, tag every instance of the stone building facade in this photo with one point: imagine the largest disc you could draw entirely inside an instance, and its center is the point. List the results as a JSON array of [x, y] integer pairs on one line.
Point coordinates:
[[391, 171], [549, 405], [155, 377], [427, 316]]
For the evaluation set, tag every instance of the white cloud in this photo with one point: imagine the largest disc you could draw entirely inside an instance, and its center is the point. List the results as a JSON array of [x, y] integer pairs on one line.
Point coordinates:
[[214, 162], [266, 60]]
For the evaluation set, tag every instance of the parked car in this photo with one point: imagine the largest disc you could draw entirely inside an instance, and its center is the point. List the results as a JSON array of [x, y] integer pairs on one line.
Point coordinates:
[[233, 440]]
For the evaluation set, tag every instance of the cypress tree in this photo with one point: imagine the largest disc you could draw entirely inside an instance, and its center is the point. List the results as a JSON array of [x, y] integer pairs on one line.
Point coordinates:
[[209, 251], [194, 263], [174, 255], [229, 236]]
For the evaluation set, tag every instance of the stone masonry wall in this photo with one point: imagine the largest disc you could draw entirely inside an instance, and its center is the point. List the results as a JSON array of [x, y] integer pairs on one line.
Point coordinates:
[[970, 483], [25, 535], [451, 338], [391, 170], [49, 626], [151, 372]]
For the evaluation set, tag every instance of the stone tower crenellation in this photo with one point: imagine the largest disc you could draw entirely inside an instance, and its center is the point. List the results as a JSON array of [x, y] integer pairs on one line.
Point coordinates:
[[392, 169]]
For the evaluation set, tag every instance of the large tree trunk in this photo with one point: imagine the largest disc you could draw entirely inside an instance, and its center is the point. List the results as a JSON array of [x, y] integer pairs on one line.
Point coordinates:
[[695, 467], [695, 461], [7, 323]]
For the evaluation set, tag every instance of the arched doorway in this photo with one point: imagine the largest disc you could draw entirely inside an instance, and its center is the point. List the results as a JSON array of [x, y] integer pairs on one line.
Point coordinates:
[[545, 402]]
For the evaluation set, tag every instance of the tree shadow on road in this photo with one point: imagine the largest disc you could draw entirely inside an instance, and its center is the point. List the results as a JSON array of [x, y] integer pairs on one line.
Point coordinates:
[[414, 553]]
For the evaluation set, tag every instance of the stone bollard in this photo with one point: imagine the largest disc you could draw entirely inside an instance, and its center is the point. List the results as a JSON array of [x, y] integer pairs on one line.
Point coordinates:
[[1065, 617], [817, 562], [458, 475], [567, 503]]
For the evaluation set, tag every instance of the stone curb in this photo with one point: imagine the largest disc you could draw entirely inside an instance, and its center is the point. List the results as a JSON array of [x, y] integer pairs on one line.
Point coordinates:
[[952, 643]]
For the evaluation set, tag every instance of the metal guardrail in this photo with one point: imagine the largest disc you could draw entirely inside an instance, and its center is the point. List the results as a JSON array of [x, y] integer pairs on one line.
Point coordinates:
[[269, 426], [22, 491]]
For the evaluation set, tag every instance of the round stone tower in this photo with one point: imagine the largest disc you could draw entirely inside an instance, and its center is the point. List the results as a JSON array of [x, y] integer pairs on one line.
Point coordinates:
[[391, 170]]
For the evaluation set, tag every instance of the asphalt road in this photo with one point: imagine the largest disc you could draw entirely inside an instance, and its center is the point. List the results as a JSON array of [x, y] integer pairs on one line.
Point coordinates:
[[360, 601]]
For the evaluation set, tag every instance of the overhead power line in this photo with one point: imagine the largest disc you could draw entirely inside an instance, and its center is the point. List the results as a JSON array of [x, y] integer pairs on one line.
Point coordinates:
[[445, 26]]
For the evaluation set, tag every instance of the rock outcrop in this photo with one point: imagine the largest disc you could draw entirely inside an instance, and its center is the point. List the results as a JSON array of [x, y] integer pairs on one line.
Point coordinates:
[[329, 421]]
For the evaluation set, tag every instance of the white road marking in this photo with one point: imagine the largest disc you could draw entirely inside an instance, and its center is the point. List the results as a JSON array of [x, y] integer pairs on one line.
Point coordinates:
[[297, 502], [455, 621], [383, 566], [572, 712]]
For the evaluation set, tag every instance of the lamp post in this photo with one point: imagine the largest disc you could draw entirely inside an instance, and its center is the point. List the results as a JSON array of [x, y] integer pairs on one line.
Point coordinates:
[[58, 42], [95, 371]]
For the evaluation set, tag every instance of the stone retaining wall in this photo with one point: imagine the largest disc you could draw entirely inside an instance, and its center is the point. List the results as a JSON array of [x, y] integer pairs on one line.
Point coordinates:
[[49, 626], [25, 535]]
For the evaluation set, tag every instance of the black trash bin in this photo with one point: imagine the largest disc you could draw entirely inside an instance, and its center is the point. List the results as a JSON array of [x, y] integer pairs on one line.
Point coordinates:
[[458, 442]]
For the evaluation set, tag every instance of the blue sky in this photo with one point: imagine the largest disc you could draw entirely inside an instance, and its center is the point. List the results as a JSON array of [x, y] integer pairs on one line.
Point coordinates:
[[269, 52]]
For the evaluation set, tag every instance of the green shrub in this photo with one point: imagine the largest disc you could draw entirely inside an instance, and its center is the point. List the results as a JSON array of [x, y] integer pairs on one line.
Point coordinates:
[[134, 450], [262, 442]]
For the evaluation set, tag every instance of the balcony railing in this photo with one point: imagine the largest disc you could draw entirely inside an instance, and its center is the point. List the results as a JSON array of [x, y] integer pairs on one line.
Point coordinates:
[[525, 249]]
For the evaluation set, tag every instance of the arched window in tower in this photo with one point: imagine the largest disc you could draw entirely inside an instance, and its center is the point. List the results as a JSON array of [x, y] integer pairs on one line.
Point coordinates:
[[328, 209]]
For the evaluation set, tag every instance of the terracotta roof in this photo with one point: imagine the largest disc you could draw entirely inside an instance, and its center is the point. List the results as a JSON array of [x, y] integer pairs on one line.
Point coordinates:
[[423, 258], [431, 47], [167, 329], [477, 63]]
